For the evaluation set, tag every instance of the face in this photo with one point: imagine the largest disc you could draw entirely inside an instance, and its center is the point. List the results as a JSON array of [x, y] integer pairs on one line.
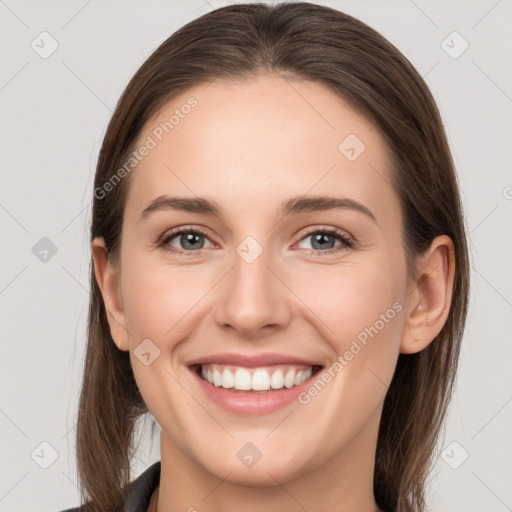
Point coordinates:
[[300, 301]]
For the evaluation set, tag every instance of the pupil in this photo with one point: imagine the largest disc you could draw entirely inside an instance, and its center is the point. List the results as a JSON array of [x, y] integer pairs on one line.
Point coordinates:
[[190, 239], [319, 237]]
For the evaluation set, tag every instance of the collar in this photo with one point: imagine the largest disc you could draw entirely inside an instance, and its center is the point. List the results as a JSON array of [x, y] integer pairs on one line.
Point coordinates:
[[142, 488]]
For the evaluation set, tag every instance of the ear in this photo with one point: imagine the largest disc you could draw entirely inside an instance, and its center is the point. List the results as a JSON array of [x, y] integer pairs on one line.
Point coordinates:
[[430, 296], [108, 280]]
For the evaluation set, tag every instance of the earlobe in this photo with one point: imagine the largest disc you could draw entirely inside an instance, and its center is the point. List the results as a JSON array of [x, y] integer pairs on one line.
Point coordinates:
[[107, 278], [430, 297]]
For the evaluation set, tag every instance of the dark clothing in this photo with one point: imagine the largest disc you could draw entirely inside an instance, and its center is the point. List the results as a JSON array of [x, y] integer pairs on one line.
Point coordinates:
[[140, 490]]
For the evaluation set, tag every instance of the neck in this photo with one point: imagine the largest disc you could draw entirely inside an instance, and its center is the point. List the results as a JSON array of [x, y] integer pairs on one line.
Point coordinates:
[[343, 483]]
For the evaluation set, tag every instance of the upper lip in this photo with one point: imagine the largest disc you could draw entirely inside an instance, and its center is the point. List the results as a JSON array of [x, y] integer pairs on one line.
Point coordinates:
[[251, 361]]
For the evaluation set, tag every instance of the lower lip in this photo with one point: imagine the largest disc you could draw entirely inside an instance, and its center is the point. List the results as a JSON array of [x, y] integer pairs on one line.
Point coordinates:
[[252, 404]]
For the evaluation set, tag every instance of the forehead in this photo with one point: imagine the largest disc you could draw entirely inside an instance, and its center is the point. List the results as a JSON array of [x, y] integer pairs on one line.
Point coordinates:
[[263, 138]]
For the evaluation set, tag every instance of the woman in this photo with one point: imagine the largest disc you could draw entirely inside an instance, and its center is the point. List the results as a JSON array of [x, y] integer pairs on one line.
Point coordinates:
[[280, 272]]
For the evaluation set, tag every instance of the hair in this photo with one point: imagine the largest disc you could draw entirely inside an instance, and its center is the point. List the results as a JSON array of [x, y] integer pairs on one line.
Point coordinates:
[[301, 41]]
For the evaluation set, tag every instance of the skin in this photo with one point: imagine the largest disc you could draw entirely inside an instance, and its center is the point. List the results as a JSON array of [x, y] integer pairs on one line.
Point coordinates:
[[265, 140]]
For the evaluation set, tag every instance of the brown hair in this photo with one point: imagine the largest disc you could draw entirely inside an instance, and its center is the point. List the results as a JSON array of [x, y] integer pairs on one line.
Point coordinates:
[[307, 42]]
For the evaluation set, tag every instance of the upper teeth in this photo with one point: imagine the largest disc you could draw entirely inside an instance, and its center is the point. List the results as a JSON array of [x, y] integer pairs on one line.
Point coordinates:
[[257, 379]]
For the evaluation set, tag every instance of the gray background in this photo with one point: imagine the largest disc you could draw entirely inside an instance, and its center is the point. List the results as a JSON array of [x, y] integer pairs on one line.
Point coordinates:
[[54, 114]]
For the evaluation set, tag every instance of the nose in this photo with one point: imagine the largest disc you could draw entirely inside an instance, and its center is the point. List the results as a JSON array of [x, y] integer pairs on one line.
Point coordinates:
[[254, 300]]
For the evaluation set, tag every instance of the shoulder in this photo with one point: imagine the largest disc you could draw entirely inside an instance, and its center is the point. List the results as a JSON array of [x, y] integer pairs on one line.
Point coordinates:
[[139, 490]]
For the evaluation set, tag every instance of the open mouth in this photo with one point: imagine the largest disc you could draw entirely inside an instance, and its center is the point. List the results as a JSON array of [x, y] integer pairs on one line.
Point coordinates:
[[265, 379]]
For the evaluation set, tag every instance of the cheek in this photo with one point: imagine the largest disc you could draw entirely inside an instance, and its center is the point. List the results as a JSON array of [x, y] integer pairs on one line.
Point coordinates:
[[160, 304], [358, 310], [360, 316], [159, 298], [348, 299]]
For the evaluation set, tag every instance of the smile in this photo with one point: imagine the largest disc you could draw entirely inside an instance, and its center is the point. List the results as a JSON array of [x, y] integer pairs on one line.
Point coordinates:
[[268, 378], [252, 385]]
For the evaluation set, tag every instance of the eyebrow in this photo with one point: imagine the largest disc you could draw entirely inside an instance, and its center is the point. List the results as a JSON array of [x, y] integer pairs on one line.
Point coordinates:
[[294, 205]]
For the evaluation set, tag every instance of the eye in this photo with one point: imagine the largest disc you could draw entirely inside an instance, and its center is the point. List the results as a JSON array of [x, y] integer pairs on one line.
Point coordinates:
[[192, 240], [324, 241]]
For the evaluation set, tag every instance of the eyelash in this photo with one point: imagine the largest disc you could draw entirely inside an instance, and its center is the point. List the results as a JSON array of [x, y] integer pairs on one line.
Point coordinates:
[[346, 242]]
